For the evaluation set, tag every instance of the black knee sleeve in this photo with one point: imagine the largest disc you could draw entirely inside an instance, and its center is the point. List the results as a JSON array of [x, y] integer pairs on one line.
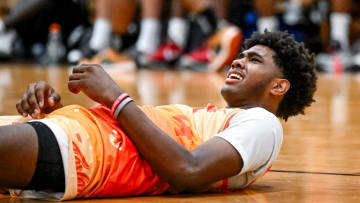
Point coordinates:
[[49, 172]]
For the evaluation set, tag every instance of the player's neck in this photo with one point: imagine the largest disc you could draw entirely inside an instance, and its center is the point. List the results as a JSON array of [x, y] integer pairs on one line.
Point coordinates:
[[268, 107]]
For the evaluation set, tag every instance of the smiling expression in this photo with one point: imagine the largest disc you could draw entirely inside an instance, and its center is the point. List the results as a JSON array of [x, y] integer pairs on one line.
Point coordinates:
[[248, 81]]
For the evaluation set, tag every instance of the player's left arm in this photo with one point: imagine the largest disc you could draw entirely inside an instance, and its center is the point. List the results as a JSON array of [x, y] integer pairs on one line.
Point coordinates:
[[184, 170]]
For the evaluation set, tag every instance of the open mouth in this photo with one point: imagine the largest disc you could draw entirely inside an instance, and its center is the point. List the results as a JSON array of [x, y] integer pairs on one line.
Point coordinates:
[[235, 76]]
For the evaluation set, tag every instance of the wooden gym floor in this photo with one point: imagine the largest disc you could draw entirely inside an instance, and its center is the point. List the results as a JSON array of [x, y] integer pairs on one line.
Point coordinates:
[[319, 161]]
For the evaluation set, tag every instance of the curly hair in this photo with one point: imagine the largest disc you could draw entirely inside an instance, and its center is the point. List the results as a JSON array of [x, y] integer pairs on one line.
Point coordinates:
[[297, 66]]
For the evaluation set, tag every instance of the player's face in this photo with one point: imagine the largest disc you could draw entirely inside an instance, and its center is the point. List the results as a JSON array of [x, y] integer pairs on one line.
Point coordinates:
[[249, 77]]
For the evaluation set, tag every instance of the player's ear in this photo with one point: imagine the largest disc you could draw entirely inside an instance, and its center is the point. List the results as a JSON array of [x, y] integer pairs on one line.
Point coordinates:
[[280, 87]]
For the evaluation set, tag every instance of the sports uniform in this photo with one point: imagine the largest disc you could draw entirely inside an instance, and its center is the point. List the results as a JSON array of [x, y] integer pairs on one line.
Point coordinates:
[[99, 160]]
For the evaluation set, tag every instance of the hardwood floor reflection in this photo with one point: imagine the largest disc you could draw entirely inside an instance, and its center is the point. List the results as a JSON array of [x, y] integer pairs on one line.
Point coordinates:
[[325, 140]]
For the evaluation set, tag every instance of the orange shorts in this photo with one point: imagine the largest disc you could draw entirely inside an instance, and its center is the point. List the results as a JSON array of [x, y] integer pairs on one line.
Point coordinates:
[[99, 159]]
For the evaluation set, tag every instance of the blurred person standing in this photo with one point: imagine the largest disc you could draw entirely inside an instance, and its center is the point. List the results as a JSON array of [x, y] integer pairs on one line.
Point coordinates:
[[112, 18], [191, 37], [340, 19], [116, 17], [337, 56], [28, 23], [200, 25]]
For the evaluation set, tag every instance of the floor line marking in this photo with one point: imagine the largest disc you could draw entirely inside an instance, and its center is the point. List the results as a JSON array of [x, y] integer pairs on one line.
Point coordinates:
[[319, 173]]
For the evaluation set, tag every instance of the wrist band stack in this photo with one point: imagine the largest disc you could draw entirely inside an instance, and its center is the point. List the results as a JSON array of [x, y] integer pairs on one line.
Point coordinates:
[[119, 104]]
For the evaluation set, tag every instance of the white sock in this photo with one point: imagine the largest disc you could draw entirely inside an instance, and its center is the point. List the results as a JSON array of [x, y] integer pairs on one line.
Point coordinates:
[[339, 23], [293, 12], [178, 30], [149, 37], [100, 39], [7, 38], [2, 26], [271, 23]]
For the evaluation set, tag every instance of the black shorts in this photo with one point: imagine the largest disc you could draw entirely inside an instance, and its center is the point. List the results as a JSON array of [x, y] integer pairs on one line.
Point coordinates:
[[49, 173]]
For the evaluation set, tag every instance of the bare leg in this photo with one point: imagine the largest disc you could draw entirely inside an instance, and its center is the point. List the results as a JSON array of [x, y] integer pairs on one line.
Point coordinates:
[[177, 9], [265, 8], [119, 12], [197, 6], [151, 8], [123, 12], [343, 6], [267, 19], [221, 8], [18, 155], [102, 9], [111, 16]]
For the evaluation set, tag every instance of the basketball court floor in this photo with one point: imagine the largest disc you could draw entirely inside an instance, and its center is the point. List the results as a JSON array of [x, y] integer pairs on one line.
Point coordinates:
[[319, 160]]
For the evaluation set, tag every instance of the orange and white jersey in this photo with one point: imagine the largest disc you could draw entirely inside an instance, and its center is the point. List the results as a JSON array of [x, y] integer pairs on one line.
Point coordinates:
[[101, 161]]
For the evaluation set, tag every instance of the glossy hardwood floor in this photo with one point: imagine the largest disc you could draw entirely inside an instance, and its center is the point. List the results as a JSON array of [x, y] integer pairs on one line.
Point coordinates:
[[319, 161]]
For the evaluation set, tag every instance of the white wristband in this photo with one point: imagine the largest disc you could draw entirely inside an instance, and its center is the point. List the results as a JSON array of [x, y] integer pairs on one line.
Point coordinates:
[[121, 106]]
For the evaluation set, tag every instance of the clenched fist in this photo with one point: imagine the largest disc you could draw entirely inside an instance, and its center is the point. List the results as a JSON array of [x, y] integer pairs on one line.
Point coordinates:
[[93, 81], [39, 98]]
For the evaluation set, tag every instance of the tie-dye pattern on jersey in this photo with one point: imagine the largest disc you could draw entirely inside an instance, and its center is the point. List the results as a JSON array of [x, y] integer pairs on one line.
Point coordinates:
[[103, 161]]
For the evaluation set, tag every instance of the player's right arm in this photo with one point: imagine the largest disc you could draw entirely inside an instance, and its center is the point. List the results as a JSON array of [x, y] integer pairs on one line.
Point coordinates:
[[39, 98]]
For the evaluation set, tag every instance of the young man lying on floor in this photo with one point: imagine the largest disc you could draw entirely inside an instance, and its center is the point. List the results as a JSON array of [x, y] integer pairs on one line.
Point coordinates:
[[120, 149]]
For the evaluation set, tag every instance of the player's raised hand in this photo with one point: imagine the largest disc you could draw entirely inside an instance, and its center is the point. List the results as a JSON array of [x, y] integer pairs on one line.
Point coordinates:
[[39, 98], [93, 81]]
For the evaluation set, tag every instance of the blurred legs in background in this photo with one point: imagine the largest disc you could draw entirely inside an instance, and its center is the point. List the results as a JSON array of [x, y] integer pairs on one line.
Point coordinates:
[[267, 15]]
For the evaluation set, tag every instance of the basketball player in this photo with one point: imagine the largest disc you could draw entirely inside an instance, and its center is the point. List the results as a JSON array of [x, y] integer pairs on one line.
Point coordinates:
[[120, 149]]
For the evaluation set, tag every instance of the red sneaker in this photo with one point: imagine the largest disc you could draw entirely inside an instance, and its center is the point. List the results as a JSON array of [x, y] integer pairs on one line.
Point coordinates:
[[198, 58], [167, 52], [216, 53]]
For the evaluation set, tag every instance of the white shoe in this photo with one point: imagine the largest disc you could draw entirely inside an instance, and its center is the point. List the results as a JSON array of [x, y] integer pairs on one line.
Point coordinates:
[[7, 39]]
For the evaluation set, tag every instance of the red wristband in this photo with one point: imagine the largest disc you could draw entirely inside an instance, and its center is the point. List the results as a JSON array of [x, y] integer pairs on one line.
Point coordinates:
[[118, 101]]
